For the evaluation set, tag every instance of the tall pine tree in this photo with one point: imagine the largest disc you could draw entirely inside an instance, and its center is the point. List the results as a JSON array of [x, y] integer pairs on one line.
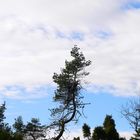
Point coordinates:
[[67, 94], [109, 128]]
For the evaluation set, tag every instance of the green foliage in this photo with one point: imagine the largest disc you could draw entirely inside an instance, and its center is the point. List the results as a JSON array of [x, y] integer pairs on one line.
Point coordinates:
[[109, 128], [5, 129], [86, 131], [17, 136], [4, 135], [107, 131], [131, 112], [19, 125], [2, 117], [69, 80], [34, 129], [98, 133], [68, 93], [78, 138]]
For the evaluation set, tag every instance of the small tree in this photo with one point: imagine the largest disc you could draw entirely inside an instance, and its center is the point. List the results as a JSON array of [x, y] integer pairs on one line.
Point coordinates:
[[109, 128], [5, 129], [86, 131], [4, 126], [19, 125], [2, 116], [19, 128], [68, 93], [131, 111], [34, 130], [98, 133]]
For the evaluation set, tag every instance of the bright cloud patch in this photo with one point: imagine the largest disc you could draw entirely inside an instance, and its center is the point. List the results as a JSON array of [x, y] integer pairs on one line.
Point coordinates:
[[36, 40], [28, 93]]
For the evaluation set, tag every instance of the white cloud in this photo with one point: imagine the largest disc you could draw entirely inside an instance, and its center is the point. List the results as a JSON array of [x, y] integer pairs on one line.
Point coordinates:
[[22, 93], [36, 37], [117, 59], [64, 14]]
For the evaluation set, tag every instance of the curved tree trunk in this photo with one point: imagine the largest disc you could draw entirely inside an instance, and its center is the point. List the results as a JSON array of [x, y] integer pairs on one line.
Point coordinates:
[[67, 121], [67, 92]]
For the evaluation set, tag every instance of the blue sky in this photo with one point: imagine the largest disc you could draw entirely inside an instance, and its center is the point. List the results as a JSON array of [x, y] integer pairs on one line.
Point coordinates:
[[36, 37]]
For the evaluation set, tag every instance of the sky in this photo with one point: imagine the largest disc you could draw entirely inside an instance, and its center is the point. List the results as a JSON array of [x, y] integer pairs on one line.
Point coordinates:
[[36, 37]]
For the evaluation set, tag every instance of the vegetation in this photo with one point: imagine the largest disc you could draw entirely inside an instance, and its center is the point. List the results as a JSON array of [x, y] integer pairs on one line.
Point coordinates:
[[68, 93], [98, 133], [78, 138], [105, 132], [109, 128], [69, 106], [19, 126], [86, 131], [32, 130], [131, 111]]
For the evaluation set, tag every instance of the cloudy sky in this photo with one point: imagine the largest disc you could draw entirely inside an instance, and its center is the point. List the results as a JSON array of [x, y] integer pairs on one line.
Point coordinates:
[[36, 37]]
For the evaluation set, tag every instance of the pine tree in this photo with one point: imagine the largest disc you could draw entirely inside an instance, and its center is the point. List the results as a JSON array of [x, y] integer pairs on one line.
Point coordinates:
[[67, 94], [109, 128], [19, 125], [34, 129], [99, 133], [86, 131], [2, 116]]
